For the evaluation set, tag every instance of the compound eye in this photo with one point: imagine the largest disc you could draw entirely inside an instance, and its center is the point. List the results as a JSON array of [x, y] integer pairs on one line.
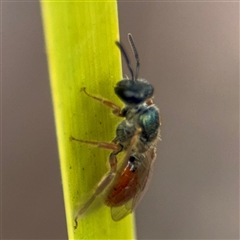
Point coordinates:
[[129, 97]]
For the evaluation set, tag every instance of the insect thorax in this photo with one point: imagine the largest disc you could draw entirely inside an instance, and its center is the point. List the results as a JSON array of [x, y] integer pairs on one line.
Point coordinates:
[[144, 117]]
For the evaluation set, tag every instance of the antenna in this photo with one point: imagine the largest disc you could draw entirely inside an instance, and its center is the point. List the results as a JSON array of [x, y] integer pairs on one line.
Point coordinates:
[[126, 58], [134, 49]]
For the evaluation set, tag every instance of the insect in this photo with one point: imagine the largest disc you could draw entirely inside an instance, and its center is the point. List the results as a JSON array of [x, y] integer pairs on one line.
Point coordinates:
[[136, 136]]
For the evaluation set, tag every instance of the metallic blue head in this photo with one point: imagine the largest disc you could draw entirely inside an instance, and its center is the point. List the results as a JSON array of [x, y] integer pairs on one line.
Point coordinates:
[[133, 91]]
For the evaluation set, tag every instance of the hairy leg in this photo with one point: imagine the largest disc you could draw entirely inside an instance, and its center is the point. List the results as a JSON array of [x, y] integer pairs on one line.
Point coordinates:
[[115, 109]]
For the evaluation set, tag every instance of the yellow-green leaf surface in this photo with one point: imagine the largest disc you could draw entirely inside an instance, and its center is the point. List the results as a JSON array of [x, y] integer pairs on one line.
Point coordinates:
[[81, 52]]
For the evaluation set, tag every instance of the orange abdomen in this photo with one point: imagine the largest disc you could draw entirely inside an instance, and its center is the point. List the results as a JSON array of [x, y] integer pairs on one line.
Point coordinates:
[[123, 189]]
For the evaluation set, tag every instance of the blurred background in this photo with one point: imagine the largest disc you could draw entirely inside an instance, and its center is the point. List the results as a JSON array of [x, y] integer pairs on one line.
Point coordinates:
[[190, 52]]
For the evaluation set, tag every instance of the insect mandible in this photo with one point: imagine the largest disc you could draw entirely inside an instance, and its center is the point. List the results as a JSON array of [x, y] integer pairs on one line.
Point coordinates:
[[136, 136]]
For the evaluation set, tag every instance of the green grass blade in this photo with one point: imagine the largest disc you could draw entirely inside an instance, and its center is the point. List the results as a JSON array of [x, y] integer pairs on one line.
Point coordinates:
[[81, 52]]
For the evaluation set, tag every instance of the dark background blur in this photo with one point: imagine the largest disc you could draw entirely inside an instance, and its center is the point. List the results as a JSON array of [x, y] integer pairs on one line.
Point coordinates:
[[190, 52]]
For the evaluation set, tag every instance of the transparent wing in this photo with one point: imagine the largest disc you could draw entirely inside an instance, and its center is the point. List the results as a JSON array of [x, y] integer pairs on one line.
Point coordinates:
[[149, 157], [120, 212]]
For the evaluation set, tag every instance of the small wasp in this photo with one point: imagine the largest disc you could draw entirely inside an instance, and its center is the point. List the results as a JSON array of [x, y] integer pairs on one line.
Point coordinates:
[[136, 136]]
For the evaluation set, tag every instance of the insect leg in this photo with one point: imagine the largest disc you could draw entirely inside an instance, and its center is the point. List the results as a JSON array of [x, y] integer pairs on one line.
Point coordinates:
[[106, 180], [116, 109], [106, 145]]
